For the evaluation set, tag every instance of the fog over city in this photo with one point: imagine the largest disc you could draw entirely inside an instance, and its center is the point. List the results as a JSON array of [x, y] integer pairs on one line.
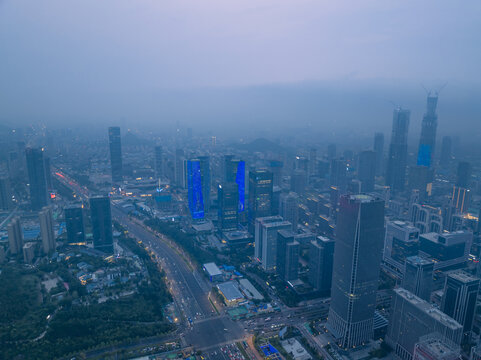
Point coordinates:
[[218, 66], [240, 180]]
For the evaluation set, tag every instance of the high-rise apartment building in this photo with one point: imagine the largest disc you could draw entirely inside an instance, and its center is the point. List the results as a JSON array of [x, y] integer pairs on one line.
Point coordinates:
[[115, 155], [398, 151], [357, 261]]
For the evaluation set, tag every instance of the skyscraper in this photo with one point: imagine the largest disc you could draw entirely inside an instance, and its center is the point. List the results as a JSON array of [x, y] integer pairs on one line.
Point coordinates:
[[5, 194], [338, 174], [36, 178], [195, 189], [15, 236], [459, 300], [158, 161], [331, 151], [75, 224], [461, 194], [265, 249], [287, 259], [357, 261], [115, 154], [206, 180], [366, 171], [234, 171], [398, 151], [401, 241], [102, 223], [463, 174], [228, 198], [446, 151], [428, 132], [179, 168], [289, 209], [418, 277], [46, 230], [379, 150], [260, 196], [321, 257]]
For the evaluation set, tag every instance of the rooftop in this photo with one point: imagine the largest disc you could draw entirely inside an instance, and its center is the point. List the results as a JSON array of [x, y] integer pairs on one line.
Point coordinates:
[[230, 291], [418, 260], [212, 269], [463, 277]]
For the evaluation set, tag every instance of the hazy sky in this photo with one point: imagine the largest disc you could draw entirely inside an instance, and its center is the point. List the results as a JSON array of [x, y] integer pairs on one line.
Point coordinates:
[[62, 58]]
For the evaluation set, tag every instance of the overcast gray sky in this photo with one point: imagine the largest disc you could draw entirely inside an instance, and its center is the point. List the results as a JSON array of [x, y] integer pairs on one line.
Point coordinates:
[[57, 55]]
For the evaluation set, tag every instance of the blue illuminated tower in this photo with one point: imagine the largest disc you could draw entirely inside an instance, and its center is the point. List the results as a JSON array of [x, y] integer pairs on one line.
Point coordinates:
[[235, 171], [194, 186], [428, 132]]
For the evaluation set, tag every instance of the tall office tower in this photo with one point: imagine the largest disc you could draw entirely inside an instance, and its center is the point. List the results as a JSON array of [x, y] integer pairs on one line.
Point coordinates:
[[5, 194], [429, 125], [434, 347], [275, 167], [115, 154], [158, 161], [412, 318], [379, 150], [195, 189], [102, 224], [179, 168], [446, 151], [355, 276], [289, 209], [463, 174], [265, 238], [228, 198], [312, 162], [299, 181], [75, 224], [338, 174], [398, 151], [235, 172], [15, 236], [321, 257], [206, 180], [400, 242], [418, 277], [287, 259], [366, 171], [36, 178], [459, 300], [331, 151], [301, 163], [448, 250], [260, 196], [48, 173]]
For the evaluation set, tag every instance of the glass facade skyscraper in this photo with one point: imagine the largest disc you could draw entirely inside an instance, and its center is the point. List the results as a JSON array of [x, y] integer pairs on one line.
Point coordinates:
[[398, 151], [37, 178], [260, 196], [101, 223], [194, 188], [357, 260], [115, 154], [428, 132]]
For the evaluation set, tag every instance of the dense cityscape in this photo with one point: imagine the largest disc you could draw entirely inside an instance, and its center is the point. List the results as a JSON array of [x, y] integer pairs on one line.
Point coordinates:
[[135, 246], [240, 180]]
